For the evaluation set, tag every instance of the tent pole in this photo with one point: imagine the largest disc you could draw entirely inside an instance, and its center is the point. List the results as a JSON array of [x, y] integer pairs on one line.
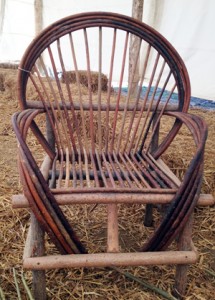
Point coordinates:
[[38, 12]]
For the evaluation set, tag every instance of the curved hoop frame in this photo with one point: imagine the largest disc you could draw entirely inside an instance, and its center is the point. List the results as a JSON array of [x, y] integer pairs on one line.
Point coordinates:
[[186, 195], [113, 20]]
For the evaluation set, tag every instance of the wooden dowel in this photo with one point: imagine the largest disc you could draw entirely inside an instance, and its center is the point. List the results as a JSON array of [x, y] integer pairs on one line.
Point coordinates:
[[67, 168], [89, 79], [45, 167], [20, 201], [114, 125], [132, 125], [109, 90], [80, 104], [110, 259], [112, 229], [99, 90], [85, 105], [132, 86], [146, 98]]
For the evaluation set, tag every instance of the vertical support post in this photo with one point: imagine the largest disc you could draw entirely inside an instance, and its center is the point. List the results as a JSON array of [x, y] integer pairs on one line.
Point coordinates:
[[148, 220], [50, 133], [184, 244], [38, 9], [137, 13], [38, 249], [112, 228]]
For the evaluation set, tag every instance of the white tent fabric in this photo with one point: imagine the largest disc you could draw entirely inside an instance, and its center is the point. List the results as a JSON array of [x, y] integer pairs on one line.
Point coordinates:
[[18, 26], [188, 25]]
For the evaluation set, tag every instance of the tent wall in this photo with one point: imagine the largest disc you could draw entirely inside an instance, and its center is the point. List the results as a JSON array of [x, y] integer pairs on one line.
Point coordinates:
[[17, 28], [188, 25]]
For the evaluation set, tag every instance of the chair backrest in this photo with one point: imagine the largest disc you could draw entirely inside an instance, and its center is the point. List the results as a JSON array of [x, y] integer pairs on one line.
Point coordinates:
[[77, 70]]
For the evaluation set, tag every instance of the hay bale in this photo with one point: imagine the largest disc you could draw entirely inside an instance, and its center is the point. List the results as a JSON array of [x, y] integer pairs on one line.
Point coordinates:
[[9, 65], [8, 83], [84, 79]]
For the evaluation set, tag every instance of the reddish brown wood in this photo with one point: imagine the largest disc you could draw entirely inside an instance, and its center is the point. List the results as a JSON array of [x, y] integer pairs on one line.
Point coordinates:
[[112, 230], [105, 147], [20, 201], [37, 248]]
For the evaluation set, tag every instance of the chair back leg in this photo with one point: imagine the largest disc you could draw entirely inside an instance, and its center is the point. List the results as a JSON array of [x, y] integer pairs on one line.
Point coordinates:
[[184, 244]]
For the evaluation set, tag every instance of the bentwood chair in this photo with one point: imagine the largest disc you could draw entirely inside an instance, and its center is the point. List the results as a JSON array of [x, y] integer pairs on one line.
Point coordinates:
[[102, 143]]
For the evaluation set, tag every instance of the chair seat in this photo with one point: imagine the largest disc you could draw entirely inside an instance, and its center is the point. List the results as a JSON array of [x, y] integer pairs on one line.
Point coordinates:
[[120, 172]]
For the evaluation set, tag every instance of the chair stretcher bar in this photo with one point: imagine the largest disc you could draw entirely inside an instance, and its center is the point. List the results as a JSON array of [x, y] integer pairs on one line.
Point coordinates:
[[20, 201], [110, 259]]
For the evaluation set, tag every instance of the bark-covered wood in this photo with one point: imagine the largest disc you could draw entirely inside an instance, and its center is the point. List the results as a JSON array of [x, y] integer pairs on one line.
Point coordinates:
[[37, 248], [38, 12], [105, 148], [184, 244], [137, 13]]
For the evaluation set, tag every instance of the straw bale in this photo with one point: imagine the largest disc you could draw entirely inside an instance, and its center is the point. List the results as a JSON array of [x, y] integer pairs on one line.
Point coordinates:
[[101, 283], [83, 77], [9, 65], [8, 79]]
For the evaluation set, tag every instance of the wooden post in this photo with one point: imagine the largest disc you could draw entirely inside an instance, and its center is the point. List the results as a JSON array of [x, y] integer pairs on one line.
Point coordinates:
[[184, 244], [38, 9], [37, 248], [137, 13], [38, 19], [2, 15]]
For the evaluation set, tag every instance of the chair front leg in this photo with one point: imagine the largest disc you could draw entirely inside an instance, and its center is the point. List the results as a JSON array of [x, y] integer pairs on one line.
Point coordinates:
[[148, 219], [184, 244], [38, 249]]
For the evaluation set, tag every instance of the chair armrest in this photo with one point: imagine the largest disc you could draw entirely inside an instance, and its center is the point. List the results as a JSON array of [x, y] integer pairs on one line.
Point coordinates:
[[195, 124], [187, 195], [36, 189], [24, 120]]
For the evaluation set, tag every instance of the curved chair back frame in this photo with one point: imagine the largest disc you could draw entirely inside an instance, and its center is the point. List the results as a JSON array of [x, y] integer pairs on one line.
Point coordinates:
[[161, 65]]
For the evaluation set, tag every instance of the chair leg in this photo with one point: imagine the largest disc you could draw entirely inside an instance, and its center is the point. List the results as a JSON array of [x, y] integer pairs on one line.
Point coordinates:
[[148, 218], [38, 249], [184, 243], [50, 133]]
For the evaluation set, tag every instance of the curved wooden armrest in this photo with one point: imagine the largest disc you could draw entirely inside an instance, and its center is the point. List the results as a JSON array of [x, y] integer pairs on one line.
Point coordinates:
[[188, 193], [195, 124], [36, 189]]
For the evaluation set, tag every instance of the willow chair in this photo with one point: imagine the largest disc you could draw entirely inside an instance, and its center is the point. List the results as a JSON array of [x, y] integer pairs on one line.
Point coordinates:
[[103, 144]]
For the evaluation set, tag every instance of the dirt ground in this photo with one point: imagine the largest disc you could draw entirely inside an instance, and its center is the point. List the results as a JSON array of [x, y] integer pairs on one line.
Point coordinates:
[[98, 283]]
